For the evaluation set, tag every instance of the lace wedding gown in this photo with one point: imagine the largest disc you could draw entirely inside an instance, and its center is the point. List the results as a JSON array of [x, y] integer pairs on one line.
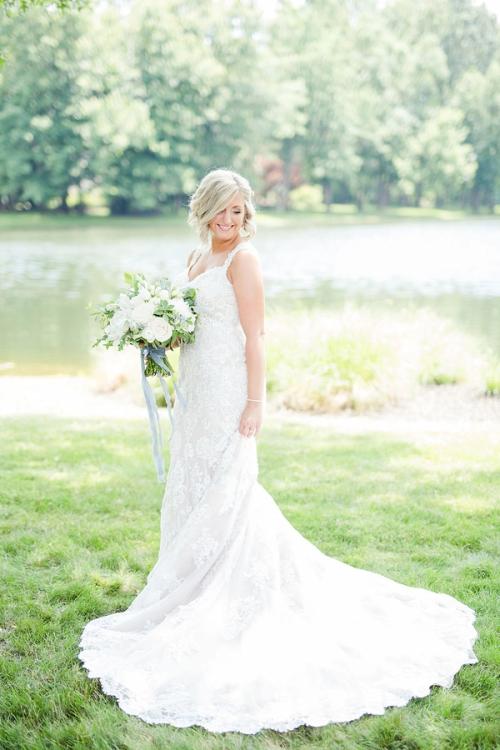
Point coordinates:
[[243, 623]]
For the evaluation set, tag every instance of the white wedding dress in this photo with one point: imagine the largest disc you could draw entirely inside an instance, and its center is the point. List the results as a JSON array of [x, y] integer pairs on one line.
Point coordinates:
[[243, 623]]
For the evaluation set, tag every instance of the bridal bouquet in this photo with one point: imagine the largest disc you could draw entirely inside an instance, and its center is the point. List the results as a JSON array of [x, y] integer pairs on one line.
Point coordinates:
[[151, 316]]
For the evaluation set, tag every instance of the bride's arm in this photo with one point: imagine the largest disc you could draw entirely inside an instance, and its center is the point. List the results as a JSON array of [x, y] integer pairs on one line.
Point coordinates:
[[246, 276]]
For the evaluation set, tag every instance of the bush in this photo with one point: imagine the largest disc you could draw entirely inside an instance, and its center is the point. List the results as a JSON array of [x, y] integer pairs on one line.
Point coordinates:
[[359, 359], [307, 198]]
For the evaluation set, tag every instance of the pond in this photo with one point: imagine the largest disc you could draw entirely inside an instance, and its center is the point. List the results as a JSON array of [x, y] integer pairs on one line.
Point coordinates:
[[50, 277]]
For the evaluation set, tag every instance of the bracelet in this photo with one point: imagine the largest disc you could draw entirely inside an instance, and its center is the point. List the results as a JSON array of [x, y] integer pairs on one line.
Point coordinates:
[[259, 400]]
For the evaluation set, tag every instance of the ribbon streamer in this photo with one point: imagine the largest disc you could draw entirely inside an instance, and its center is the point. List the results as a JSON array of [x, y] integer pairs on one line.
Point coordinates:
[[157, 354]]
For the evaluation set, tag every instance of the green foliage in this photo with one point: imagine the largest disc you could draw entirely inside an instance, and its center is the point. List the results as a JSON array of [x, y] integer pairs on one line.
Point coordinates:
[[359, 359], [40, 145], [492, 380], [307, 198], [438, 161], [478, 95], [364, 105], [22, 6], [317, 363]]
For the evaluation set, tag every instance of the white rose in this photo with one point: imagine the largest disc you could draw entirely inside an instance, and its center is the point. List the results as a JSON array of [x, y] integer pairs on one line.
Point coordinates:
[[124, 303], [117, 326], [164, 294], [181, 308], [142, 312], [142, 295], [156, 299], [157, 330]]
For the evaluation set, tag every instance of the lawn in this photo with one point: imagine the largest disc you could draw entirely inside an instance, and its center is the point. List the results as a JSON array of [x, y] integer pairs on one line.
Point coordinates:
[[80, 531]]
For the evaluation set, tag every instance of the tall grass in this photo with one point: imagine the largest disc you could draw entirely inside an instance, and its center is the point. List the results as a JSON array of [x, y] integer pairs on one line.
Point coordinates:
[[359, 359]]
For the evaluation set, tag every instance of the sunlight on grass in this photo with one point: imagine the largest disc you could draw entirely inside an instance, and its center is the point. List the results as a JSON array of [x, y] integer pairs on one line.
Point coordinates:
[[468, 503], [75, 547]]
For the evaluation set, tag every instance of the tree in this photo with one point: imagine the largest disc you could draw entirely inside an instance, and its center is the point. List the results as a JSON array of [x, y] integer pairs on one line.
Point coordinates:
[[438, 163], [9, 8], [315, 42], [204, 75], [119, 136], [23, 5], [478, 95], [40, 146]]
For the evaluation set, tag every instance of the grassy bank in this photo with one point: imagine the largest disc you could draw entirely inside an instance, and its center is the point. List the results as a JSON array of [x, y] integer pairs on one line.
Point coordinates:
[[81, 531], [339, 214]]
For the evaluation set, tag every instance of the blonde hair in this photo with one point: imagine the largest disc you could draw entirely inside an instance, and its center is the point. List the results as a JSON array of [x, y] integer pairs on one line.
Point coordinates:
[[213, 194]]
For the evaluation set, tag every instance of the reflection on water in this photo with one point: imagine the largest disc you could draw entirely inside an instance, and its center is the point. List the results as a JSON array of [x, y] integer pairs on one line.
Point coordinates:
[[50, 277]]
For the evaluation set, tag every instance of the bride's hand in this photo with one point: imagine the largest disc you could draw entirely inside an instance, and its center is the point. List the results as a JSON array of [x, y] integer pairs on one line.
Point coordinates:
[[251, 419]]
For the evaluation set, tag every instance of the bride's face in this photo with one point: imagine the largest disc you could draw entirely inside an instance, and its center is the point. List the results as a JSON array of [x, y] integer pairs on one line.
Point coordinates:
[[226, 225]]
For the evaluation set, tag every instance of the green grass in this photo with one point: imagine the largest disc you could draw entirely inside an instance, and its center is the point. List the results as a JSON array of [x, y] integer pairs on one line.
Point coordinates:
[[357, 358], [80, 531], [492, 379]]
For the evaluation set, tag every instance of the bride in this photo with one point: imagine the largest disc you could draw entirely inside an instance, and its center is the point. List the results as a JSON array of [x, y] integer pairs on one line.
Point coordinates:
[[243, 623]]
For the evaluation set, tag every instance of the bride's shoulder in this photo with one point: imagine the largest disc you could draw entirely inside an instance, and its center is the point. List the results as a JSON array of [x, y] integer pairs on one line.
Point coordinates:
[[246, 248], [245, 262]]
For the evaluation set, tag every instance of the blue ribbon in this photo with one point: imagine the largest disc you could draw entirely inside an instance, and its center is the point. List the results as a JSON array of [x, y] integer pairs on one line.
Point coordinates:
[[157, 353]]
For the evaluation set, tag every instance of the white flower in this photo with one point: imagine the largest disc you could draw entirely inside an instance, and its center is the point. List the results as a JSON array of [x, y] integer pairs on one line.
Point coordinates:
[[164, 294], [181, 307], [117, 326], [156, 299], [157, 329], [142, 312], [142, 295], [124, 303]]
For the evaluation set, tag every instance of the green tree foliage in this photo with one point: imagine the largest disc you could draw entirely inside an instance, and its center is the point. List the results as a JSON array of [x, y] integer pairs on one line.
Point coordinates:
[[437, 161], [164, 101], [24, 5], [478, 96], [122, 153], [40, 144], [319, 34], [401, 76], [131, 103]]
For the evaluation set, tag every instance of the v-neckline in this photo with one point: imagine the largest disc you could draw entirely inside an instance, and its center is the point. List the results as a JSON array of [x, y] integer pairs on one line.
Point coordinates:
[[191, 281], [219, 265]]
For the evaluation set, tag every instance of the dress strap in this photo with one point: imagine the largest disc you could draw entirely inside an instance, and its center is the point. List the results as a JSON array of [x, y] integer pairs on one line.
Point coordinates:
[[196, 256], [233, 252]]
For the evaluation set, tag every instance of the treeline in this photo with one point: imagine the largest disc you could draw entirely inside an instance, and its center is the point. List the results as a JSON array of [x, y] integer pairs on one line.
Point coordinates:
[[328, 101]]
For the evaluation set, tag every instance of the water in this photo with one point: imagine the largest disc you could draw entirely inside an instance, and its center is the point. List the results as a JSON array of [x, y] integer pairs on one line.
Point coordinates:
[[51, 276]]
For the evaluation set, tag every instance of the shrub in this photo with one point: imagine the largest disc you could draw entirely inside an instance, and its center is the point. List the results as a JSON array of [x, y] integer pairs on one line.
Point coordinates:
[[307, 198]]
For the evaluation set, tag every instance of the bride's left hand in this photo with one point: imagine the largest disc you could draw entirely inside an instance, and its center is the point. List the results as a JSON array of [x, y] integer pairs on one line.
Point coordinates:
[[251, 419]]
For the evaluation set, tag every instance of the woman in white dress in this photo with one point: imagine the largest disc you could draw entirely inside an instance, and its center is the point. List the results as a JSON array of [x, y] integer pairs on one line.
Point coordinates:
[[243, 624]]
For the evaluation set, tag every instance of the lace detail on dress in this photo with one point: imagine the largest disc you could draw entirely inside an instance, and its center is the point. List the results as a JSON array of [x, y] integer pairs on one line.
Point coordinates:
[[243, 624]]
